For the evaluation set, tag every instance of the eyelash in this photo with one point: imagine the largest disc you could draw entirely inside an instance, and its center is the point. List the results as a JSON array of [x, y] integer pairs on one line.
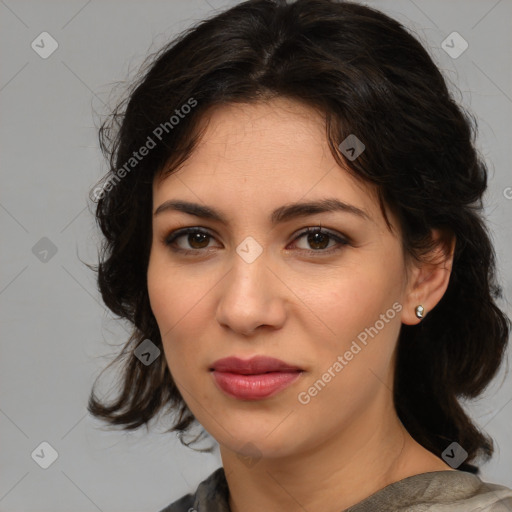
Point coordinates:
[[173, 236]]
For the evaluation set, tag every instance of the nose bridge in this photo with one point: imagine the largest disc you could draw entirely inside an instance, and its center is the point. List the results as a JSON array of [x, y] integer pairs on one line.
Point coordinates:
[[247, 276], [249, 265], [249, 296]]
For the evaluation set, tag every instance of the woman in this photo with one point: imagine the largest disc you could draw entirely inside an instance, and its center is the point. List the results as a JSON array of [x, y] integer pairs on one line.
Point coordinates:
[[292, 224]]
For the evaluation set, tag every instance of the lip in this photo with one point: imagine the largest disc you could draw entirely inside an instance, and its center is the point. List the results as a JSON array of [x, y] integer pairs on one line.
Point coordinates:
[[254, 365], [253, 379]]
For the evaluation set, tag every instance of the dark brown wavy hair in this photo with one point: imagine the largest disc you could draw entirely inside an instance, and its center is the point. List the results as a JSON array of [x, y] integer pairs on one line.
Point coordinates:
[[367, 75]]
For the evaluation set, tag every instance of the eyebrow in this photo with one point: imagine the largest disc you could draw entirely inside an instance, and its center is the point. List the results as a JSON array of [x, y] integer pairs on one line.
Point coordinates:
[[279, 215]]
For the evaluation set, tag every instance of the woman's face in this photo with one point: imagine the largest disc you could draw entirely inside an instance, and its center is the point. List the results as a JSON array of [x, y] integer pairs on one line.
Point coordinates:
[[256, 286]]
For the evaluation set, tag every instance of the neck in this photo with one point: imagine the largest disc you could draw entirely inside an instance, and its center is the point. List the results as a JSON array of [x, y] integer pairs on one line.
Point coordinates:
[[344, 469]]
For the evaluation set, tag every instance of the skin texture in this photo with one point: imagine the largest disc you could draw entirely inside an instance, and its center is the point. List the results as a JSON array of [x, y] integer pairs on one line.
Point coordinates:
[[296, 302]]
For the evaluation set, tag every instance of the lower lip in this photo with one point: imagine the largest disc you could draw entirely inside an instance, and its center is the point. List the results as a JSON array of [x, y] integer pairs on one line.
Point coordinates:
[[254, 387]]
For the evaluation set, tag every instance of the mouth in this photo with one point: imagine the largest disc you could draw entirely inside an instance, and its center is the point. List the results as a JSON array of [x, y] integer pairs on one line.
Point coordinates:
[[255, 379], [253, 366]]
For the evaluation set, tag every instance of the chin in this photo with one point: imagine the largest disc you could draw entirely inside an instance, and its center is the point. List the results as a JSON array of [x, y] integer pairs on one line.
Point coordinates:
[[259, 445]]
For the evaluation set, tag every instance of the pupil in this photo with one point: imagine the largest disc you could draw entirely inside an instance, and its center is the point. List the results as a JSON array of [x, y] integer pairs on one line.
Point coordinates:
[[196, 237], [313, 240]]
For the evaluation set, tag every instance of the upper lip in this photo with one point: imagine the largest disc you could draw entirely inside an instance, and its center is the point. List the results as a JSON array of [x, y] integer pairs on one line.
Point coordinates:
[[255, 365]]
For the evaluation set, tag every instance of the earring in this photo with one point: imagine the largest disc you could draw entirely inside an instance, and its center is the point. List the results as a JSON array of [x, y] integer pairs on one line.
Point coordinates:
[[419, 311]]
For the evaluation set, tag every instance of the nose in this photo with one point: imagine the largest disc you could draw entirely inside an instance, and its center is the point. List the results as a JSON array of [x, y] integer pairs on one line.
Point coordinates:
[[251, 297]]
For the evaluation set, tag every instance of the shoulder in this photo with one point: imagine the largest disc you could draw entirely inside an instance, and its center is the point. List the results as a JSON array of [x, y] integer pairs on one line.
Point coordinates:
[[462, 492], [491, 497], [184, 504], [439, 491], [211, 494]]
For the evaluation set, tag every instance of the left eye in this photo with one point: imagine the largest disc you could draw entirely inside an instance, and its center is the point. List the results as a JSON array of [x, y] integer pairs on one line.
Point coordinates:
[[198, 239], [319, 239]]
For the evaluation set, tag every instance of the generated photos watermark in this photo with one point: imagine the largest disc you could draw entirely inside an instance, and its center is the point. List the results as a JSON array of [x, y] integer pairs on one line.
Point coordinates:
[[304, 397], [137, 156]]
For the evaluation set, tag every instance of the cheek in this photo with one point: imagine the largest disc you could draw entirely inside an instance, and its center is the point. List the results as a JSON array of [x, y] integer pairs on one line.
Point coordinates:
[[167, 301], [361, 325], [171, 292], [352, 366], [162, 296], [352, 303], [178, 304]]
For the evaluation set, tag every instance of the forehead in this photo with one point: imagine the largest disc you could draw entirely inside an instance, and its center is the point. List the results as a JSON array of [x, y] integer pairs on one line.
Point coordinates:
[[262, 155]]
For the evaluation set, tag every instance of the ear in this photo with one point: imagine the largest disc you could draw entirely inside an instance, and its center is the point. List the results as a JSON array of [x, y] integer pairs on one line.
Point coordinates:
[[428, 282]]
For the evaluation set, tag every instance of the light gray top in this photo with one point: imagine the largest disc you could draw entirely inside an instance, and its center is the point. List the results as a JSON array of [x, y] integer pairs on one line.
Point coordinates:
[[438, 491]]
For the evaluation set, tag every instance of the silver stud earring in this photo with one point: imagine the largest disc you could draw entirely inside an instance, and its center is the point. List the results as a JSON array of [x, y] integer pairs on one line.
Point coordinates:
[[419, 311]]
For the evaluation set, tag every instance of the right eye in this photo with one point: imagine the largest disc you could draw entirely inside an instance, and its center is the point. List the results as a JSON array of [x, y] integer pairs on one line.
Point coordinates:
[[195, 237]]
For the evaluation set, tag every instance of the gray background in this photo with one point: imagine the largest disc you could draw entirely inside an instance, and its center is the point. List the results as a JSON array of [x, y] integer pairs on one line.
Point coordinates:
[[56, 334]]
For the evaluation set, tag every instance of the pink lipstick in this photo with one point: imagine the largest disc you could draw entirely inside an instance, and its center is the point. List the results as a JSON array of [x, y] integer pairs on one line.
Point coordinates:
[[253, 379]]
